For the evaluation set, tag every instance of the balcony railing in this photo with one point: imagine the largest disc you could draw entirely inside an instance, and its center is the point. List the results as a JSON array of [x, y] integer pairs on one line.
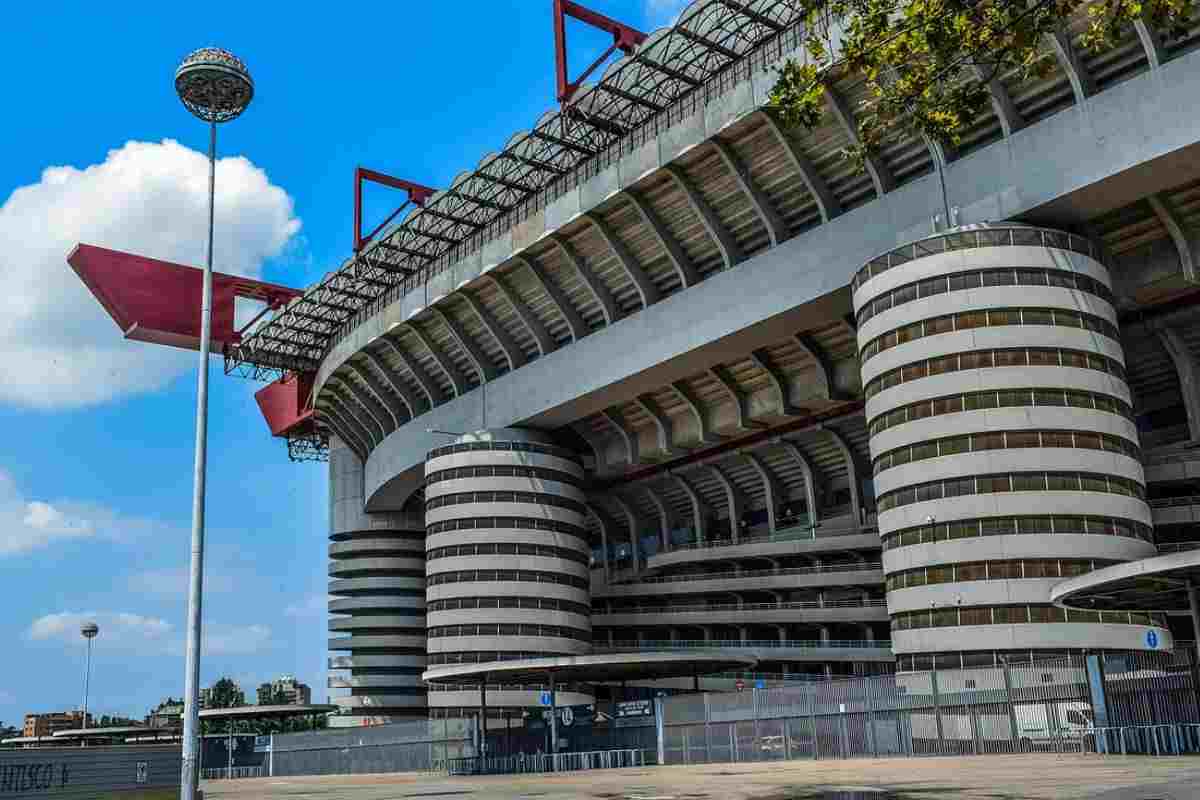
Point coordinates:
[[724, 644], [701, 609], [1173, 502], [758, 573]]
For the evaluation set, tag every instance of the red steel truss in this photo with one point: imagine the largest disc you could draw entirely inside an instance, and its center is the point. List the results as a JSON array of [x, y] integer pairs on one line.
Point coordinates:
[[625, 39]]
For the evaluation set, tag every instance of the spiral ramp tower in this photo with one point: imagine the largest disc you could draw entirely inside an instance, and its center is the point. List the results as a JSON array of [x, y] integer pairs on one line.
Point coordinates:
[[507, 562], [1003, 447], [376, 605]]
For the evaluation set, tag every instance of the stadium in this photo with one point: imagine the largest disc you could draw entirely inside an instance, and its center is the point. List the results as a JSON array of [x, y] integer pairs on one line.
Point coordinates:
[[665, 377]]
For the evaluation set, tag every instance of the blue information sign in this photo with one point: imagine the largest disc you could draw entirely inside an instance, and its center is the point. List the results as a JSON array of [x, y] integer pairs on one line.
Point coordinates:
[[1152, 639], [760, 684], [545, 698]]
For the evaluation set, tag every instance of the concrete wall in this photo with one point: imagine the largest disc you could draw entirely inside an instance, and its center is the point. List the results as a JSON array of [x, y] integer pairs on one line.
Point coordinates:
[[92, 773], [1145, 118]]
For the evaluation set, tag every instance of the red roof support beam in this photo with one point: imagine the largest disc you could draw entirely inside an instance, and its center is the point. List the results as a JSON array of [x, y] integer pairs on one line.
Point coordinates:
[[159, 302], [625, 39], [285, 404], [417, 195]]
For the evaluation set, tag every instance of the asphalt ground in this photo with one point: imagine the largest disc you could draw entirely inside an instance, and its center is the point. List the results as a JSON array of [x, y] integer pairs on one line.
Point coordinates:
[[968, 778]]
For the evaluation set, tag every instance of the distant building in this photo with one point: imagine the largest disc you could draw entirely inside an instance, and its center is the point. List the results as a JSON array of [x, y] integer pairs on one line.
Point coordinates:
[[48, 724], [284, 690], [169, 713], [218, 696]]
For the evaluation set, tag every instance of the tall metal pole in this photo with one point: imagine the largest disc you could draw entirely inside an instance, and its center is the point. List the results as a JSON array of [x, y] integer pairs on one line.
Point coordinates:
[[87, 677], [191, 714]]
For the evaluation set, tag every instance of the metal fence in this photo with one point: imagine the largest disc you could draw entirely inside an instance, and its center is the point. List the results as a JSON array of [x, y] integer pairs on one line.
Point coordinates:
[[545, 762], [417, 746], [1140, 703]]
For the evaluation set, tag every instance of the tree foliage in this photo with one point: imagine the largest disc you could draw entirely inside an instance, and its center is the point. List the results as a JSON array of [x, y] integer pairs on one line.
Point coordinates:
[[226, 694], [927, 64]]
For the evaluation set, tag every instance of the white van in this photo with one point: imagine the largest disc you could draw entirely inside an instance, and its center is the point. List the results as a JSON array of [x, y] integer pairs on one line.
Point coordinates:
[[1040, 724]]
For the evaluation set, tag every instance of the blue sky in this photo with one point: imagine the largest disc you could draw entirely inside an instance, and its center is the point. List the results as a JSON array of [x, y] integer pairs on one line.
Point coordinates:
[[95, 465]]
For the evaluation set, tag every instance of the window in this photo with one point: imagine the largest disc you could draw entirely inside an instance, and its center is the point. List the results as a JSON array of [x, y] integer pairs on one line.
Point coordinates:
[[929, 491], [998, 526], [944, 364], [1011, 358], [1043, 357], [965, 280], [924, 450], [1037, 316], [1010, 615], [963, 529], [999, 278], [1063, 280], [976, 616], [980, 400], [971, 572], [1022, 439], [939, 325], [957, 487], [1041, 568], [1090, 441], [1034, 525], [1049, 397], [1057, 439], [993, 483], [971, 319], [1070, 358], [987, 441], [1072, 568], [1004, 570], [1004, 316], [948, 405], [978, 360], [932, 286], [920, 411], [954, 445], [1031, 277], [1062, 482], [914, 371], [944, 617], [1094, 483]]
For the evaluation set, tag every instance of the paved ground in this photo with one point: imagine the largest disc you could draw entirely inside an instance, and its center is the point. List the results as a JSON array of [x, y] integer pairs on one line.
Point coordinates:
[[993, 777]]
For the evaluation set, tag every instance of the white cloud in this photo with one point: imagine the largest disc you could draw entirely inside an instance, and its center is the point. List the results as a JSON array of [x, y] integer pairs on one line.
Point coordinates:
[[173, 582], [27, 524], [118, 630], [235, 640], [146, 635], [58, 346]]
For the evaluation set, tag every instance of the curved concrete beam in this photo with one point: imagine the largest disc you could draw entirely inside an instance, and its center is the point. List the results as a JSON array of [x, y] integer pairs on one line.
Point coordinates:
[[771, 492], [779, 382], [731, 253], [666, 517], [634, 520], [605, 525], [701, 513], [810, 488], [1011, 120], [1082, 84], [662, 424], [390, 404], [1174, 224], [428, 385], [824, 365], [448, 367], [1189, 376], [733, 500], [375, 410], [355, 410], [513, 354], [628, 434], [598, 288], [484, 368], [776, 228], [584, 432], [343, 431], [570, 316], [734, 393], [401, 388], [852, 474], [693, 404], [537, 330], [827, 202], [647, 292], [881, 176], [683, 265], [1152, 43]]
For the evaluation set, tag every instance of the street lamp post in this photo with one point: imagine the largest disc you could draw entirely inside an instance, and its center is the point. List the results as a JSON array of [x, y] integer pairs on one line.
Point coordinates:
[[216, 87], [89, 631]]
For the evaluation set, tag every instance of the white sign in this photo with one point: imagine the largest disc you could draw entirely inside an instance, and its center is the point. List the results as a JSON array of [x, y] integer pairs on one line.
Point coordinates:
[[143, 771]]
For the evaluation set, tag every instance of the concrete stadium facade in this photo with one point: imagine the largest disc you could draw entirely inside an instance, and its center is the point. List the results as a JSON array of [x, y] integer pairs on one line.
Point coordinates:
[[689, 327]]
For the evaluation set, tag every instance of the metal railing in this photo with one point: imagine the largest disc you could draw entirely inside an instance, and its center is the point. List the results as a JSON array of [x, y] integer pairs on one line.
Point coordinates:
[[545, 762], [1171, 502], [1178, 547], [231, 773], [720, 644], [795, 604], [799, 534], [758, 573]]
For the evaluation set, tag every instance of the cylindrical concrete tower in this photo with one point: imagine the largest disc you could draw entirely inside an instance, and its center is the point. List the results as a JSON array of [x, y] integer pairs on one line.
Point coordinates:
[[507, 554], [377, 604], [1004, 451]]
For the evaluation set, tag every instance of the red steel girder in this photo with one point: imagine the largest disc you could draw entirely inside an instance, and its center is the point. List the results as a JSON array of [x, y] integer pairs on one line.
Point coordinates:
[[417, 195], [625, 39]]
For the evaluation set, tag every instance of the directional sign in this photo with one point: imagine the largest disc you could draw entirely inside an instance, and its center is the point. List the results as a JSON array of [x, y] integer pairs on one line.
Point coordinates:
[[635, 708], [262, 744], [545, 698]]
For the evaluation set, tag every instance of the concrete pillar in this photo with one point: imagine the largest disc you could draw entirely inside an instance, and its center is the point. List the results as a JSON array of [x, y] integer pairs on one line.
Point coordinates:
[[820, 598], [825, 634], [828, 671], [707, 629], [868, 634], [1194, 602], [743, 633], [674, 634]]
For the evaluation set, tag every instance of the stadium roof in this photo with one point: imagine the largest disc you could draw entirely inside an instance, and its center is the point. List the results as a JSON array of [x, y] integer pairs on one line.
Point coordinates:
[[663, 81]]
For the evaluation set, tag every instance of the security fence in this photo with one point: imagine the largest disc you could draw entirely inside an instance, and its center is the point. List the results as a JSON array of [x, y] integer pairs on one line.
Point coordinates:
[[417, 746], [1137, 703]]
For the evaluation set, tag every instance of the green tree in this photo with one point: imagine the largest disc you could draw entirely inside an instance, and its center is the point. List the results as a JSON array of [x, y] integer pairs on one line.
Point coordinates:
[[226, 694], [926, 64]]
